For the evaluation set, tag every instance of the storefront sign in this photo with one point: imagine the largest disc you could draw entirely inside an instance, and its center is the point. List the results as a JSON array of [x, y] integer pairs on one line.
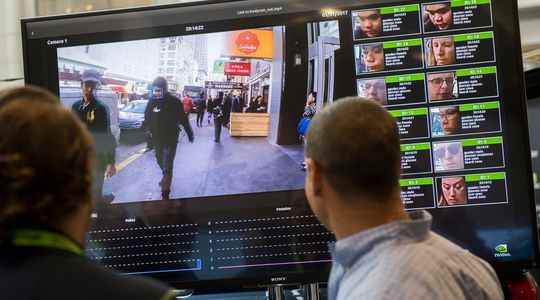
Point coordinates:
[[219, 85], [238, 68], [254, 43]]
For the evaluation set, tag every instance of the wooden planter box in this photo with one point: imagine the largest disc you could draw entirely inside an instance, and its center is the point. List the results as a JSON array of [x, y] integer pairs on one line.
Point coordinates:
[[249, 124]]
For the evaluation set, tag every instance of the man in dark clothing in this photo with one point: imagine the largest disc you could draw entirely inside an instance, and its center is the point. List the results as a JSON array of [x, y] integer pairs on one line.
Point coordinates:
[[227, 106], [237, 105], [95, 115], [201, 107], [164, 113], [217, 111]]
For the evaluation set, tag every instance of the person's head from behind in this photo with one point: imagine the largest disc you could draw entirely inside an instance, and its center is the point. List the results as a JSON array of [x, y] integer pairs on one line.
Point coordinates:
[[370, 22], [440, 15], [353, 159], [46, 164]]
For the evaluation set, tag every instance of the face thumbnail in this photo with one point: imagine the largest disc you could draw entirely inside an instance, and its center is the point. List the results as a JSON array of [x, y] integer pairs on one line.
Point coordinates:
[[443, 51], [369, 23], [448, 156], [440, 15], [441, 86], [373, 57], [453, 191], [450, 119], [373, 89]]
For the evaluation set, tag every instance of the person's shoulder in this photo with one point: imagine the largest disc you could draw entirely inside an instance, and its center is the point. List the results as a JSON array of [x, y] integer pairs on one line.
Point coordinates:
[[76, 105], [114, 285]]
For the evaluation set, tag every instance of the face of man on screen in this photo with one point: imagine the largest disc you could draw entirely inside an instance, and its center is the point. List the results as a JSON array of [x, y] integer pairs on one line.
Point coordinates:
[[441, 86], [440, 15], [443, 50], [454, 190], [370, 22], [373, 56], [375, 90]]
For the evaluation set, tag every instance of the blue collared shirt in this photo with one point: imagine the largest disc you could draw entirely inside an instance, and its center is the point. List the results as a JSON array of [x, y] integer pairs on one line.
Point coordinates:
[[406, 260]]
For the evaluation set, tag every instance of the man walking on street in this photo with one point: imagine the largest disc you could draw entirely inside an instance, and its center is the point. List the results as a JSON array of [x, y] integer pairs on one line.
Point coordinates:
[[164, 113]]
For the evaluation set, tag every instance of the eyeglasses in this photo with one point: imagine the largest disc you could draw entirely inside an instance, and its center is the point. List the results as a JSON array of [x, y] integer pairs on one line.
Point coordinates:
[[448, 113], [439, 81], [440, 11], [451, 148]]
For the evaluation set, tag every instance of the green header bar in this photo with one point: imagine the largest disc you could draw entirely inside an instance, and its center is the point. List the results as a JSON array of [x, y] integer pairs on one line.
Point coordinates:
[[409, 112], [476, 71], [402, 43], [415, 147], [479, 106], [485, 141], [400, 9], [458, 3], [416, 181], [473, 36], [485, 176], [405, 78]]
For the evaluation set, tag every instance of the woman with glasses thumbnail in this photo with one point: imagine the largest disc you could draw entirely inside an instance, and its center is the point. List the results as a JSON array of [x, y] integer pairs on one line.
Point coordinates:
[[442, 86], [437, 16], [448, 156], [370, 58], [440, 51], [446, 121], [453, 191]]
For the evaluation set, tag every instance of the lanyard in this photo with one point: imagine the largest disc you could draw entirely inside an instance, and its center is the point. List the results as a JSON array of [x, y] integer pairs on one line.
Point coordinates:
[[47, 239]]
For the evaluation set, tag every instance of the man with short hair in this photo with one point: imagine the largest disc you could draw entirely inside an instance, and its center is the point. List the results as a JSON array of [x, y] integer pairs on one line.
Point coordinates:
[[368, 24], [438, 16], [95, 115], [46, 166], [352, 185]]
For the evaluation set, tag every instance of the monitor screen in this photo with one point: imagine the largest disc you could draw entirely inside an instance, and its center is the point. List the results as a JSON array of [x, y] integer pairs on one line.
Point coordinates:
[[235, 213]]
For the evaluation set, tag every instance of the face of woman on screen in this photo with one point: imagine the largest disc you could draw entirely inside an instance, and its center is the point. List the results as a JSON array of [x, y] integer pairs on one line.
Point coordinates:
[[454, 190], [373, 56], [443, 51]]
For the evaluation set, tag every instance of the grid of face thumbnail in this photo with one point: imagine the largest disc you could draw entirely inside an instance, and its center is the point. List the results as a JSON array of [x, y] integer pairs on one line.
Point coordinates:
[[433, 65]]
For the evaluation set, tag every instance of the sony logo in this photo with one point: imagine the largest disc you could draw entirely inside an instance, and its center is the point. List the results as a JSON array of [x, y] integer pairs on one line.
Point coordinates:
[[278, 279]]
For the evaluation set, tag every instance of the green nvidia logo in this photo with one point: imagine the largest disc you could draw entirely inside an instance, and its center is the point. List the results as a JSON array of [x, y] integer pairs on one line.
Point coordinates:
[[502, 248]]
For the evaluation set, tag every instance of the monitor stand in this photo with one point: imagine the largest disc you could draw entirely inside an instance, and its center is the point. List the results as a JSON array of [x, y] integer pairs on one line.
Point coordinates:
[[311, 291], [275, 292]]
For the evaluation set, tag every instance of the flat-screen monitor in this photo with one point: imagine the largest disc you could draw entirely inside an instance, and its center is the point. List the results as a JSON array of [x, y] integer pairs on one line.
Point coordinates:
[[450, 72]]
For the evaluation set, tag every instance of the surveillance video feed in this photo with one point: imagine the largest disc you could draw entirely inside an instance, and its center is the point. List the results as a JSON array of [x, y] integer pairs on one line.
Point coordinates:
[[182, 116]]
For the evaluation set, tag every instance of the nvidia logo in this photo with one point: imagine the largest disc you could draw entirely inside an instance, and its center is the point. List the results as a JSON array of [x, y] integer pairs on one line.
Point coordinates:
[[502, 248]]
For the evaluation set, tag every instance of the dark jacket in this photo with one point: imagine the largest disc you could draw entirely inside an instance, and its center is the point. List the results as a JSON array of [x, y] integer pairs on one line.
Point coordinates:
[[201, 105], [30, 273], [96, 117], [163, 118]]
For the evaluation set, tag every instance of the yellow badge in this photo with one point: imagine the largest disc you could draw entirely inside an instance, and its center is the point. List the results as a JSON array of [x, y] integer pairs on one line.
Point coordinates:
[[91, 116]]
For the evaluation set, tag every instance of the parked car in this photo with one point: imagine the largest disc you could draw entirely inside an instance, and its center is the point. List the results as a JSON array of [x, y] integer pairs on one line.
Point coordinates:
[[131, 118], [72, 94]]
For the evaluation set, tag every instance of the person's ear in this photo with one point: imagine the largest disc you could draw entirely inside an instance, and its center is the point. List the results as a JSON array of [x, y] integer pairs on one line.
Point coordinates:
[[315, 177]]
